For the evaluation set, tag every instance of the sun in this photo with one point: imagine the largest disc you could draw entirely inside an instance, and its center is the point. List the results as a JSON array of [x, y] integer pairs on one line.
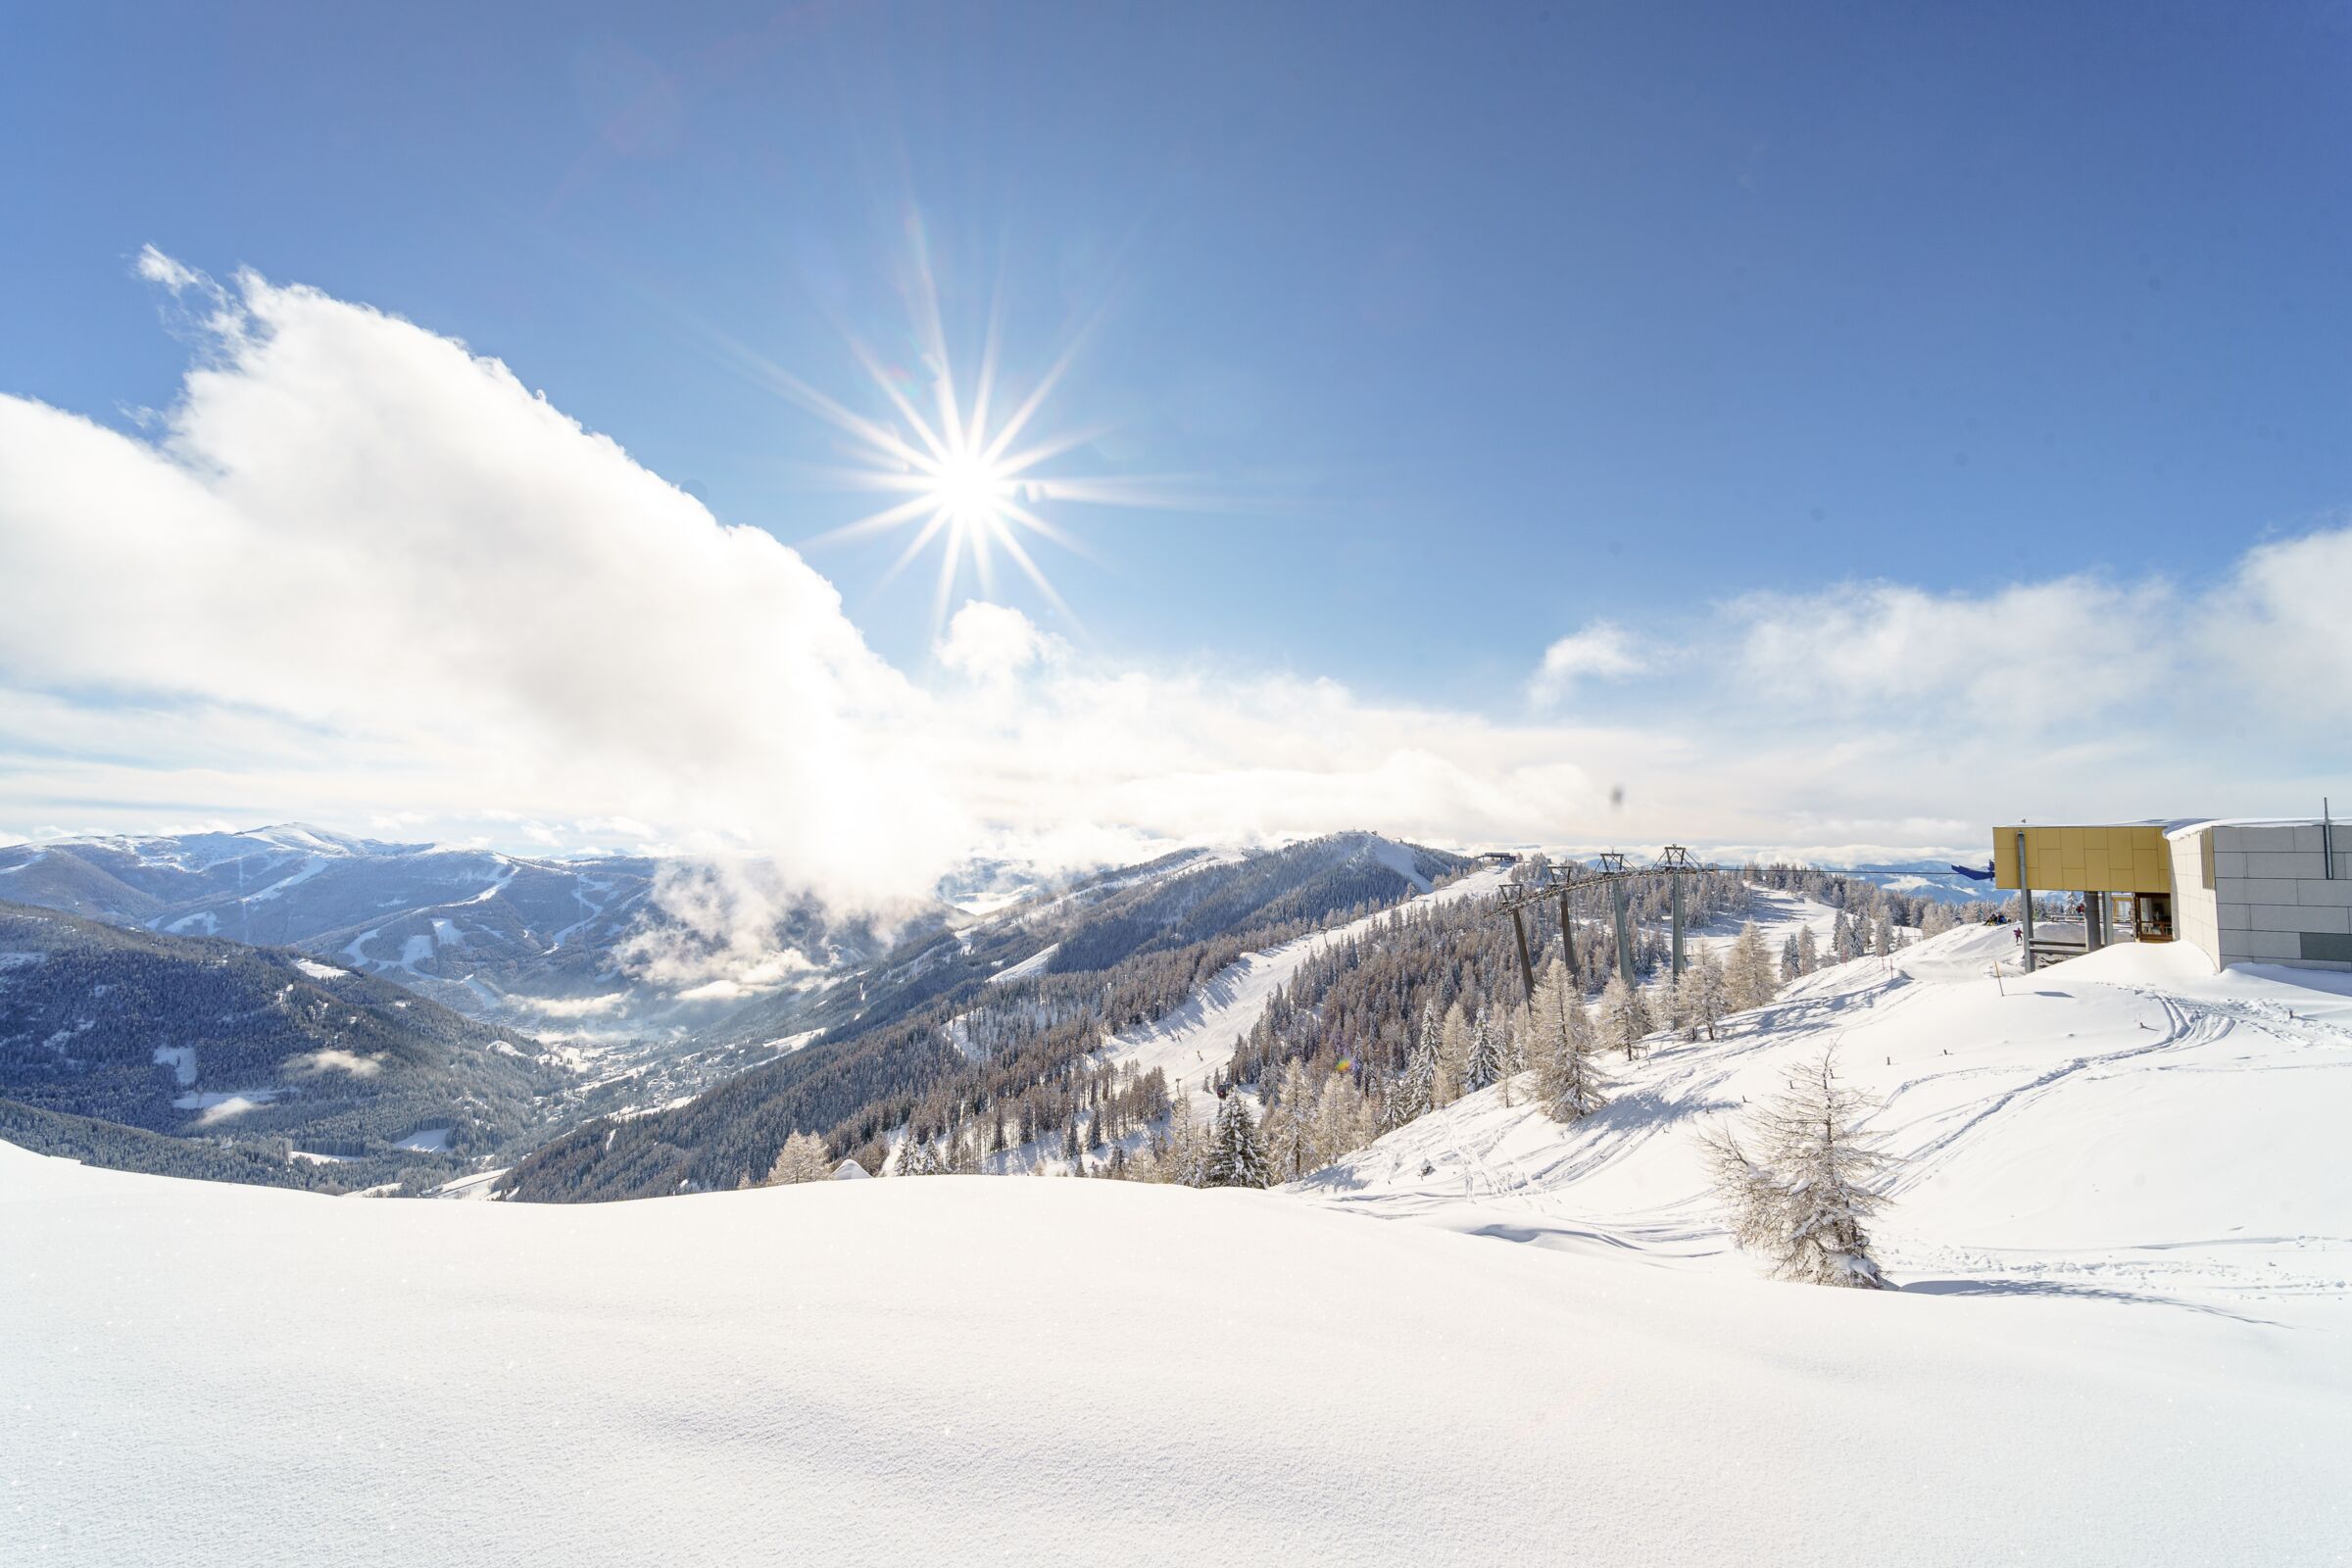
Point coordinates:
[[970, 468], [969, 488]]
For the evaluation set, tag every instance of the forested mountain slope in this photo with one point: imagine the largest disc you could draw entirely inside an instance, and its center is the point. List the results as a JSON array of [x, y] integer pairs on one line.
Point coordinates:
[[937, 1030], [210, 1039]]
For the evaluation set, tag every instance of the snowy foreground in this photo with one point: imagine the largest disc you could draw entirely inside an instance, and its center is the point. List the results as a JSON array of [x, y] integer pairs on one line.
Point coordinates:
[[2125, 1334]]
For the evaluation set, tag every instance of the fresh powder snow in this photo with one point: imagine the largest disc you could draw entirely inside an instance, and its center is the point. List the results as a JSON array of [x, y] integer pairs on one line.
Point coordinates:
[[971, 1369]]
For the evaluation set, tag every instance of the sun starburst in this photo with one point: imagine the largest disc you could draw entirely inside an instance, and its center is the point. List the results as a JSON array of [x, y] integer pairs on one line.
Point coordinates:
[[973, 477]]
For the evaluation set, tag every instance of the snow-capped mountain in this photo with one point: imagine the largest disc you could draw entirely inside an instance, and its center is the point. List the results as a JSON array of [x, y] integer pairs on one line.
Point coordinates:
[[530, 943]]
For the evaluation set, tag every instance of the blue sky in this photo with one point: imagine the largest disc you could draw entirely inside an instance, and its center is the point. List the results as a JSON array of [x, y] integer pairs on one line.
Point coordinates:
[[1467, 328]]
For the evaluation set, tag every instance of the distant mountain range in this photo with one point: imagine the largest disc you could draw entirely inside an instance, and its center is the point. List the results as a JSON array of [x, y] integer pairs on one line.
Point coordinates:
[[1924, 879], [330, 991], [204, 1039], [529, 944]]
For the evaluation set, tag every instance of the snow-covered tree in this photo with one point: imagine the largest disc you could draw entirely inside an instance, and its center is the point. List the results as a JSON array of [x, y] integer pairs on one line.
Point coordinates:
[[1561, 1046], [1454, 1055], [800, 1159], [1705, 997], [1236, 1158], [1345, 1119], [1624, 1016], [1791, 963], [1808, 951], [1288, 1130], [916, 1157], [1748, 970], [1802, 1184], [1415, 1093], [1485, 1065], [1181, 1155]]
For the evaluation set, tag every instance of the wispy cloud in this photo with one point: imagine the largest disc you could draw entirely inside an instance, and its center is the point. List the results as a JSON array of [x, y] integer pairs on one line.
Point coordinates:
[[1602, 651]]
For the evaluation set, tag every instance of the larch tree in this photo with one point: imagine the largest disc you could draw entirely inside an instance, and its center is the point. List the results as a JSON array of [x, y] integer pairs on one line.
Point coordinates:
[[1624, 1016], [1561, 1046], [1453, 1056], [1802, 1184], [1748, 970], [1705, 995], [1345, 1119], [1288, 1130], [800, 1159]]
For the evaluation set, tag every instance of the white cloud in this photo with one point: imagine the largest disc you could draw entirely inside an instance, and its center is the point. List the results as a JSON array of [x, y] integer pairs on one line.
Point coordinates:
[[2282, 628], [2026, 656], [993, 642], [360, 575], [1602, 650], [175, 275]]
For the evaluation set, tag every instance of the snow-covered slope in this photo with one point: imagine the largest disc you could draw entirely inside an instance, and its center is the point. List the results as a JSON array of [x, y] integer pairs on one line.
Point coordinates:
[[964, 1370], [2124, 1126], [1192, 1042]]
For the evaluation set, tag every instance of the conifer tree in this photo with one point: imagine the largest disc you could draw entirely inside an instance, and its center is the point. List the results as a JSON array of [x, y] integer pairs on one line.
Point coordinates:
[[1707, 998], [1749, 971], [1288, 1130], [1485, 1065], [1561, 1046], [1345, 1119], [1415, 1094], [1184, 1158], [1624, 1016], [1236, 1158], [1453, 1056], [1802, 1196], [1808, 951], [800, 1159]]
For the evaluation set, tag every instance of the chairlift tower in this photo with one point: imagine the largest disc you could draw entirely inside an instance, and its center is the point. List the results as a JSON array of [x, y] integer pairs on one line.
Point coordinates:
[[1675, 863], [1542, 892], [1614, 871]]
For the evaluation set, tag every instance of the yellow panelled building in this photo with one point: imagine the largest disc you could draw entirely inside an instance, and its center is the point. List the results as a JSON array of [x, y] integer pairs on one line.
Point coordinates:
[[2117, 858]]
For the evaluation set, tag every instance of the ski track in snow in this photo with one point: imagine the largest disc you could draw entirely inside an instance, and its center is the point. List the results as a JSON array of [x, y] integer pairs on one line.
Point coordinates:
[[2032, 1114]]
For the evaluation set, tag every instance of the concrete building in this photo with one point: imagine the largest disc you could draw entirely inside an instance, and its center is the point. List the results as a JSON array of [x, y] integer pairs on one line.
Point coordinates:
[[2264, 892], [2240, 891]]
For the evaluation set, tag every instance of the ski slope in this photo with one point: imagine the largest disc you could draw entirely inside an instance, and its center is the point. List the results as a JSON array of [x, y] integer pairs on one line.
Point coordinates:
[[2124, 1126], [965, 1370], [1194, 1040]]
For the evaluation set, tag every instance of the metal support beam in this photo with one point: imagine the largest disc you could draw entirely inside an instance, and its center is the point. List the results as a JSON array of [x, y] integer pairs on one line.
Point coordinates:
[[1526, 965], [1625, 940], [1674, 899], [1567, 934], [2094, 921], [2024, 895]]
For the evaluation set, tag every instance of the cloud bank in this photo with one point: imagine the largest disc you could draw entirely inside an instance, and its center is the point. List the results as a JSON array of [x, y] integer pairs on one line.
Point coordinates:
[[361, 574]]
